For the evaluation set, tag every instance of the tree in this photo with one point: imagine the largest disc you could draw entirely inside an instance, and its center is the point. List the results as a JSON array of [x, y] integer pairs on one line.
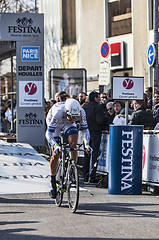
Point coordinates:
[[17, 6]]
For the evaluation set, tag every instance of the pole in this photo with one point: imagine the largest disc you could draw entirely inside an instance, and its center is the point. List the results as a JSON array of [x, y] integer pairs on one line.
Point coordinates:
[[12, 91], [126, 112], [155, 21], [36, 9], [0, 99]]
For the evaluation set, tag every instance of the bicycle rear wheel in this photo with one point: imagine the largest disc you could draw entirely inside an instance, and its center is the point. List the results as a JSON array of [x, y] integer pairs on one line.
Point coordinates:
[[73, 187], [59, 183]]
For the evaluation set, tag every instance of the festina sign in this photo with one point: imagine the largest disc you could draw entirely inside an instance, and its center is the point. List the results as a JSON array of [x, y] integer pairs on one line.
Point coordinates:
[[24, 25], [21, 26], [30, 119], [127, 156]]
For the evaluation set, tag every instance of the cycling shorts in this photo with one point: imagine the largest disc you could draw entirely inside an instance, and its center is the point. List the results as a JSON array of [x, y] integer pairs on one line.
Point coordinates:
[[68, 129]]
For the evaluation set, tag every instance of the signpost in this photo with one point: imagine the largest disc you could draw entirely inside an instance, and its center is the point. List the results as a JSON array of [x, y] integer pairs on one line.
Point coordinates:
[[105, 49], [127, 88], [104, 72], [151, 54]]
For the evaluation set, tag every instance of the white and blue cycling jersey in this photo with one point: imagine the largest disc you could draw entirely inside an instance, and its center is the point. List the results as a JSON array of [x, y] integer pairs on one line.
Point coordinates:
[[56, 121]]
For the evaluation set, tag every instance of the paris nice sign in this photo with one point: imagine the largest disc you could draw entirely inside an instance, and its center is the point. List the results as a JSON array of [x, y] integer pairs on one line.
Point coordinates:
[[27, 29], [127, 88]]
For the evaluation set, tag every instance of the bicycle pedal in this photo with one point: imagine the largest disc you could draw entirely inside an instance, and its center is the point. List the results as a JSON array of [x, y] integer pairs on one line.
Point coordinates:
[[64, 190]]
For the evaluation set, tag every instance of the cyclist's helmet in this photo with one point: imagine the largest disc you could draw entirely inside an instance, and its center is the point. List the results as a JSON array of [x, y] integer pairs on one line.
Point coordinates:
[[72, 108]]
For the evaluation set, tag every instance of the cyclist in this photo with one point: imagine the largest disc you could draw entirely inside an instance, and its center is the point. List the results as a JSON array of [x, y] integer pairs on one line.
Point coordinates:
[[64, 115]]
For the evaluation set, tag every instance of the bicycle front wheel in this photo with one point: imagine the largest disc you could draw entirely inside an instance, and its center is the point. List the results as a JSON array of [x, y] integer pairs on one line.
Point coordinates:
[[59, 183], [73, 187]]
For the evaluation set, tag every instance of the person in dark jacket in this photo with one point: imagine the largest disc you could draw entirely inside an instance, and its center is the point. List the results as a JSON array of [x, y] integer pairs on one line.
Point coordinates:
[[149, 97], [156, 106], [96, 120], [142, 117]]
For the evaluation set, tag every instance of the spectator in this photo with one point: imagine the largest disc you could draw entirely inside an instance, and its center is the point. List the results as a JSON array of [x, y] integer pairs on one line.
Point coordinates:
[[120, 113], [103, 98], [109, 98], [156, 106], [149, 96], [51, 102], [57, 97], [110, 111], [75, 97], [3, 120], [142, 117], [118, 106], [103, 106], [8, 116], [48, 105], [96, 120], [82, 97]]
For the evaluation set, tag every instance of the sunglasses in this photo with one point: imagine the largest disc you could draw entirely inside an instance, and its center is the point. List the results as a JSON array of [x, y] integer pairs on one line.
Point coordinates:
[[70, 117], [109, 109]]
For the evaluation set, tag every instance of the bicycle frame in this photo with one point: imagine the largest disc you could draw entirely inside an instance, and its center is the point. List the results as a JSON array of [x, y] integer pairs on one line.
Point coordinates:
[[69, 179]]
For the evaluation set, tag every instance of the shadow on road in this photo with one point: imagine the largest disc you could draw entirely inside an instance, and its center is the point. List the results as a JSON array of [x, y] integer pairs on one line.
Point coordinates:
[[26, 201], [117, 210], [7, 235]]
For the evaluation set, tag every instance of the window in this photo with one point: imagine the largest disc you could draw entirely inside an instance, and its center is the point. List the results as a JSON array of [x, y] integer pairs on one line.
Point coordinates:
[[68, 22], [120, 17]]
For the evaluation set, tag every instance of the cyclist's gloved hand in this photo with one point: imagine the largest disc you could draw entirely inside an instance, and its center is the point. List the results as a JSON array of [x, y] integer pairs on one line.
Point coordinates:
[[57, 149], [89, 150]]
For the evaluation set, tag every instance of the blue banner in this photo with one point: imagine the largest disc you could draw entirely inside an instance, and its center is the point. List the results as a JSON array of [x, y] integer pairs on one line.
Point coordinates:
[[125, 159]]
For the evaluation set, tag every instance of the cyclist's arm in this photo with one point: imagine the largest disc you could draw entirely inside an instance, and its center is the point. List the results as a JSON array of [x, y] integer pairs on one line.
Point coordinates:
[[48, 117], [51, 129], [84, 128], [86, 137], [50, 138]]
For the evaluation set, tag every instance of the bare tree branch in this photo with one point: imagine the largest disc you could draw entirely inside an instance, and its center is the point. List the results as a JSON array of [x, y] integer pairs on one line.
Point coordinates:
[[17, 6]]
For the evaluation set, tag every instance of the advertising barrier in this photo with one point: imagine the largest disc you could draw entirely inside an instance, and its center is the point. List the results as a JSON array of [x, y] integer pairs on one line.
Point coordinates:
[[150, 171], [22, 169], [104, 154], [125, 160], [150, 156]]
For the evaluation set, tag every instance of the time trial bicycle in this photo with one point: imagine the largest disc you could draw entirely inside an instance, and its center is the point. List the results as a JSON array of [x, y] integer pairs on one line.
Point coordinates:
[[67, 177]]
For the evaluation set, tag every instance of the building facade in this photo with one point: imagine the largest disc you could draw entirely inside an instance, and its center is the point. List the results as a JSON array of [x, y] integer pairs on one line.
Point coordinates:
[[76, 29]]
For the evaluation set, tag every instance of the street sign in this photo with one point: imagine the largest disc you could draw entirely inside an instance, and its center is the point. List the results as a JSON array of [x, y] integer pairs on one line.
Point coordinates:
[[104, 72], [127, 88], [105, 50], [151, 55]]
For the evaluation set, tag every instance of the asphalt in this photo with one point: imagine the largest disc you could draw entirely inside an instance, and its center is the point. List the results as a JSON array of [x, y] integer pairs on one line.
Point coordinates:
[[99, 216]]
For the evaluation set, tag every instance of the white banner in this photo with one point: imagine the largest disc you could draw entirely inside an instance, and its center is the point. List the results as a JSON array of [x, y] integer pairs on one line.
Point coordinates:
[[104, 72], [22, 169], [128, 88], [30, 94], [104, 155], [151, 158]]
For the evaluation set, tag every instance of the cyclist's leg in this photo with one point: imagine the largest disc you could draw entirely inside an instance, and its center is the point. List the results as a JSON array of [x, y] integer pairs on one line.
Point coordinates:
[[71, 134], [72, 139], [53, 167], [54, 162]]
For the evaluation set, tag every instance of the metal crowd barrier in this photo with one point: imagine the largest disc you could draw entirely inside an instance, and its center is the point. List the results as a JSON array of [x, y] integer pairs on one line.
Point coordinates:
[[150, 168]]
